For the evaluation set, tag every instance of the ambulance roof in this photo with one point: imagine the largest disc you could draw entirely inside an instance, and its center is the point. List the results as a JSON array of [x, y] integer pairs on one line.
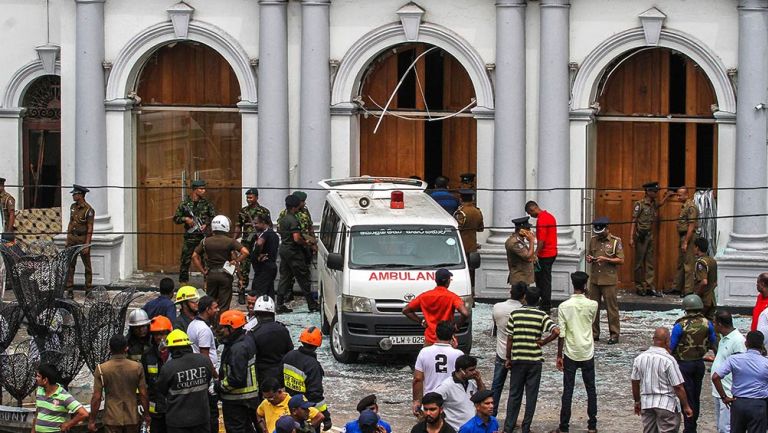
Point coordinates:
[[420, 209]]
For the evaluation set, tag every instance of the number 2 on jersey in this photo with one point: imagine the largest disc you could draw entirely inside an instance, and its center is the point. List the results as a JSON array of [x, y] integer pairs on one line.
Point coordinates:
[[441, 363]]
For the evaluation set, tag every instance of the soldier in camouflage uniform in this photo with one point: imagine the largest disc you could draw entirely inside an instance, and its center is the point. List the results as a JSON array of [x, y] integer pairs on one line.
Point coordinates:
[[307, 230], [246, 227], [293, 262], [705, 277], [79, 232], [8, 207], [195, 212], [692, 336], [687, 223], [644, 214]]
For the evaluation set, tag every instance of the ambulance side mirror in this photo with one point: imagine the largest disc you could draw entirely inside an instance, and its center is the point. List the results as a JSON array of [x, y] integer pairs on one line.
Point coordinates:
[[474, 260], [335, 261]]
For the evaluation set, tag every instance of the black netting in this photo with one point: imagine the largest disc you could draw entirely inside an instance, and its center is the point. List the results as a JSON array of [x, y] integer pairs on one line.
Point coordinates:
[[17, 370], [10, 320]]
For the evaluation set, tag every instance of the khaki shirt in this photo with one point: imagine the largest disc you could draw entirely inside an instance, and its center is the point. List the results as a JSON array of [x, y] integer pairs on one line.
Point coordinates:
[[217, 250], [470, 220], [605, 274], [520, 269], [80, 216], [706, 269], [688, 214], [8, 206], [644, 212], [118, 379]]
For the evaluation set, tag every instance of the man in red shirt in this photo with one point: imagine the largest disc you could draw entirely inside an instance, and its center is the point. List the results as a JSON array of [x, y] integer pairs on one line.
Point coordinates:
[[546, 251], [437, 305], [762, 298]]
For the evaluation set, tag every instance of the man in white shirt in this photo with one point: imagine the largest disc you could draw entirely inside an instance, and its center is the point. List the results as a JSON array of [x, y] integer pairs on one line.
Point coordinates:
[[435, 363], [762, 323], [457, 391], [731, 342], [501, 312], [204, 343], [656, 381]]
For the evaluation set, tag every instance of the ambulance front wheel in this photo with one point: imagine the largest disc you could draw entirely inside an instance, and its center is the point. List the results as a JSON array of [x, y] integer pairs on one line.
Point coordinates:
[[338, 346]]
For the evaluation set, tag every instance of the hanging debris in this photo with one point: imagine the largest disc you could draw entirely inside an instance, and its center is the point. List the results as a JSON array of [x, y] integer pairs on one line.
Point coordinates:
[[17, 371], [10, 321]]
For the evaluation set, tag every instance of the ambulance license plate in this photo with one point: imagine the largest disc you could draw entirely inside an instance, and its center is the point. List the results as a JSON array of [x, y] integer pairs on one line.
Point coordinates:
[[408, 339]]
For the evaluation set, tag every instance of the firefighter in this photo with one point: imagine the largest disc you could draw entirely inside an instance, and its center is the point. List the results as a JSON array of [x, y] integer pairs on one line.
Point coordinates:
[[186, 298], [185, 379], [152, 360], [271, 338], [303, 374], [138, 334], [238, 388]]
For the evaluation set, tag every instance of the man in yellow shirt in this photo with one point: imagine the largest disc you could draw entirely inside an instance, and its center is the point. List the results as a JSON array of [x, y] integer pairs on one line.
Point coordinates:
[[275, 405]]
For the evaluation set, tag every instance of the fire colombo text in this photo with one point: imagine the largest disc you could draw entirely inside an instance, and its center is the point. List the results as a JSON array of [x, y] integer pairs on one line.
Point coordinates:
[[401, 276]]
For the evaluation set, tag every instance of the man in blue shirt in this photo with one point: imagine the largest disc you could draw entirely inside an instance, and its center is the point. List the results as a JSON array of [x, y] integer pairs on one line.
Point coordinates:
[[484, 421], [750, 386], [367, 404], [443, 196], [162, 305]]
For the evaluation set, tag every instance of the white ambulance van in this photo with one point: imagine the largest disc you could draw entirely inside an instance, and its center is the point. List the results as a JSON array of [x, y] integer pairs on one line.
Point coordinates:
[[381, 242]]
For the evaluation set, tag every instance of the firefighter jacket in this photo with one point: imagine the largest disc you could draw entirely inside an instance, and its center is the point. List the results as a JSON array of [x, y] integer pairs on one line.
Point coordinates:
[[152, 361], [272, 341], [302, 374], [185, 380], [238, 370]]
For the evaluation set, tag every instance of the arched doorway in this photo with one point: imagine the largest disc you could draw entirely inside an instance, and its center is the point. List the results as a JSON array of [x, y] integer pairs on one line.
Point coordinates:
[[41, 129], [655, 123], [188, 127], [407, 143]]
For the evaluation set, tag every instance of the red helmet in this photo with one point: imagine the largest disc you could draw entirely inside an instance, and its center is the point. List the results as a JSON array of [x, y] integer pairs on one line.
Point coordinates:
[[311, 336], [234, 318], [160, 324]]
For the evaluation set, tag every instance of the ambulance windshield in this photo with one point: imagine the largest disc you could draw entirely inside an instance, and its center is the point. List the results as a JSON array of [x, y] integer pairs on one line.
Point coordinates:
[[405, 248]]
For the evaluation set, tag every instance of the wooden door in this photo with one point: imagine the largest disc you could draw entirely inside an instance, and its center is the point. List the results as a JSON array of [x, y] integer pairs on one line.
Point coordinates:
[[188, 128], [407, 147], [41, 132], [655, 124]]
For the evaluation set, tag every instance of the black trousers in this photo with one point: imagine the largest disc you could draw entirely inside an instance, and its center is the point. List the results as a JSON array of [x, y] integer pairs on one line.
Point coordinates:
[[202, 428], [543, 280], [213, 407], [264, 275], [522, 377], [157, 424], [569, 379], [748, 415], [693, 374], [237, 417]]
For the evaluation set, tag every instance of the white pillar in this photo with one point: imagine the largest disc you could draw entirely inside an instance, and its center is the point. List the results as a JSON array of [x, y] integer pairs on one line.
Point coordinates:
[[315, 101], [273, 104], [249, 116], [554, 136], [90, 114]]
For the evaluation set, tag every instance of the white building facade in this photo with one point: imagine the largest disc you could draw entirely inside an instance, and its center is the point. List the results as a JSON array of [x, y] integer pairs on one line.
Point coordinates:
[[300, 80]]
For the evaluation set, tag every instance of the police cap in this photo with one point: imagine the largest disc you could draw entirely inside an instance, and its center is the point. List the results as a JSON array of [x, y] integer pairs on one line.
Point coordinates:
[[252, 191], [301, 195], [480, 396], [366, 402], [77, 189], [292, 201], [467, 177], [198, 183], [651, 186], [599, 224], [2, 180], [522, 222]]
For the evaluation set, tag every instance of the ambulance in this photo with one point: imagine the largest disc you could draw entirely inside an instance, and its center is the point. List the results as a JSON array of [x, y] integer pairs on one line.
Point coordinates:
[[381, 242]]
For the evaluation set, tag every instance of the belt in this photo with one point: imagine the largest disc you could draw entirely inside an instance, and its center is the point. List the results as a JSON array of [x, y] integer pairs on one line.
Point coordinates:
[[216, 270]]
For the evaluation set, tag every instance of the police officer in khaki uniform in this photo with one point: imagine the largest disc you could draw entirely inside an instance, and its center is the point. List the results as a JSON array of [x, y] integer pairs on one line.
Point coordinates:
[[520, 252], [687, 223], [705, 277], [470, 220], [605, 254], [219, 250], [79, 232], [8, 206], [644, 214]]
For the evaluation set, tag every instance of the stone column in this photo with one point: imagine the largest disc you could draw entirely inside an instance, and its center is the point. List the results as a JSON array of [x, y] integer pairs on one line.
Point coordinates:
[[90, 114], [315, 100], [509, 122], [273, 104], [746, 255], [750, 234], [554, 137]]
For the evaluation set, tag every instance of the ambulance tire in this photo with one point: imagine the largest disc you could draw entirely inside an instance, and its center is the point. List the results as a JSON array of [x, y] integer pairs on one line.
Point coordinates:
[[324, 325], [338, 347]]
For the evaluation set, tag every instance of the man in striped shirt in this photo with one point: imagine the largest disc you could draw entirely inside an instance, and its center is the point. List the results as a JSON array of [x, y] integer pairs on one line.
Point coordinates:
[[525, 328], [54, 404], [656, 380]]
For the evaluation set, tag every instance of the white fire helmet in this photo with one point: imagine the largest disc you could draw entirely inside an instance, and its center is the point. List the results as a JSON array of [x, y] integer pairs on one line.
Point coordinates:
[[264, 304], [138, 317], [220, 223]]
